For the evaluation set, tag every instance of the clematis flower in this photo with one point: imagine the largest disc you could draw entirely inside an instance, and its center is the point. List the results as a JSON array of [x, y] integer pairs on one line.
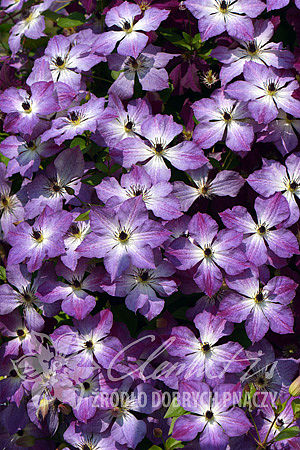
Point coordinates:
[[259, 50], [42, 240], [261, 306], [220, 119], [77, 120], [79, 437], [282, 131], [64, 61], [226, 182], [57, 183], [208, 250], [158, 197], [267, 90], [124, 237], [11, 207], [129, 32], [24, 111], [270, 212], [31, 26], [89, 339], [13, 326], [216, 16], [213, 417], [277, 4], [160, 131], [127, 122], [28, 293], [76, 301], [143, 288], [25, 154], [12, 5], [73, 238], [203, 358], [148, 67], [274, 177]]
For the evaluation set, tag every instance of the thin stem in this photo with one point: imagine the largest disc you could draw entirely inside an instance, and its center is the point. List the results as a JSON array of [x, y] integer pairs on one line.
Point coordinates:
[[255, 426]]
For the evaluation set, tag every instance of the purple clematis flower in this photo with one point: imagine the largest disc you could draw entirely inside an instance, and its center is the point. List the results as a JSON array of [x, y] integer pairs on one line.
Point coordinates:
[[226, 182], [267, 90], [25, 153], [73, 238], [209, 250], [11, 208], [77, 120], [213, 416], [24, 110], [127, 122], [261, 307], [13, 326], [64, 60], [28, 293], [89, 339], [124, 237], [158, 197], [277, 4], [259, 50], [57, 183], [221, 118], [270, 212], [203, 358], [282, 131], [81, 438], [42, 240], [142, 288], [216, 16], [76, 302], [148, 67], [133, 41], [160, 131], [32, 26], [11, 5], [274, 177]]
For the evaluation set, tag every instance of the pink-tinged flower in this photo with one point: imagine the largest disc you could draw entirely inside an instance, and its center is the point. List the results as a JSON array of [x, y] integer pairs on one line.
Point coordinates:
[[274, 177], [25, 154], [63, 61], [81, 438], [203, 358], [11, 208], [89, 339], [204, 185], [159, 133], [260, 237], [143, 288], [32, 26], [210, 251], [277, 4], [259, 50], [148, 67], [24, 110], [158, 197], [123, 237], [76, 301], [216, 16], [130, 32], [126, 123], [56, 184], [212, 415], [40, 241], [221, 118], [77, 120], [267, 90], [261, 306], [25, 292], [282, 131]]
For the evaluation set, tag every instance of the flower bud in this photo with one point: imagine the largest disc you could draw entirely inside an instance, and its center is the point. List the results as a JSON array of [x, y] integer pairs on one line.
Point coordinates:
[[294, 388], [157, 432]]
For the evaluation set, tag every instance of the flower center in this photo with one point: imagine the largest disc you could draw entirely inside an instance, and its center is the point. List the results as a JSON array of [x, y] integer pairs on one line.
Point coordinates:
[[4, 201], [144, 276], [209, 415], [88, 344], [31, 145], [226, 116], [26, 106], [262, 229], [127, 27], [37, 235], [223, 6], [20, 332], [205, 347], [59, 62], [76, 284], [86, 385], [75, 117], [129, 126], [293, 186], [207, 252], [158, 148], [123, 236], [279, 423], [271, 88], [13, 373], [252, 47], [259, 297]]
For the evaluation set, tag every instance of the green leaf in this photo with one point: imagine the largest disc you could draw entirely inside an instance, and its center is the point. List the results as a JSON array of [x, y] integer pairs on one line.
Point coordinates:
[[52, 15], [78, 140], [83, 216], [2, 273], [3, 159], [72, 20], [288, 433], [296, 407], [115, 74], [174, 410], [155, 447], [172, 443]]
